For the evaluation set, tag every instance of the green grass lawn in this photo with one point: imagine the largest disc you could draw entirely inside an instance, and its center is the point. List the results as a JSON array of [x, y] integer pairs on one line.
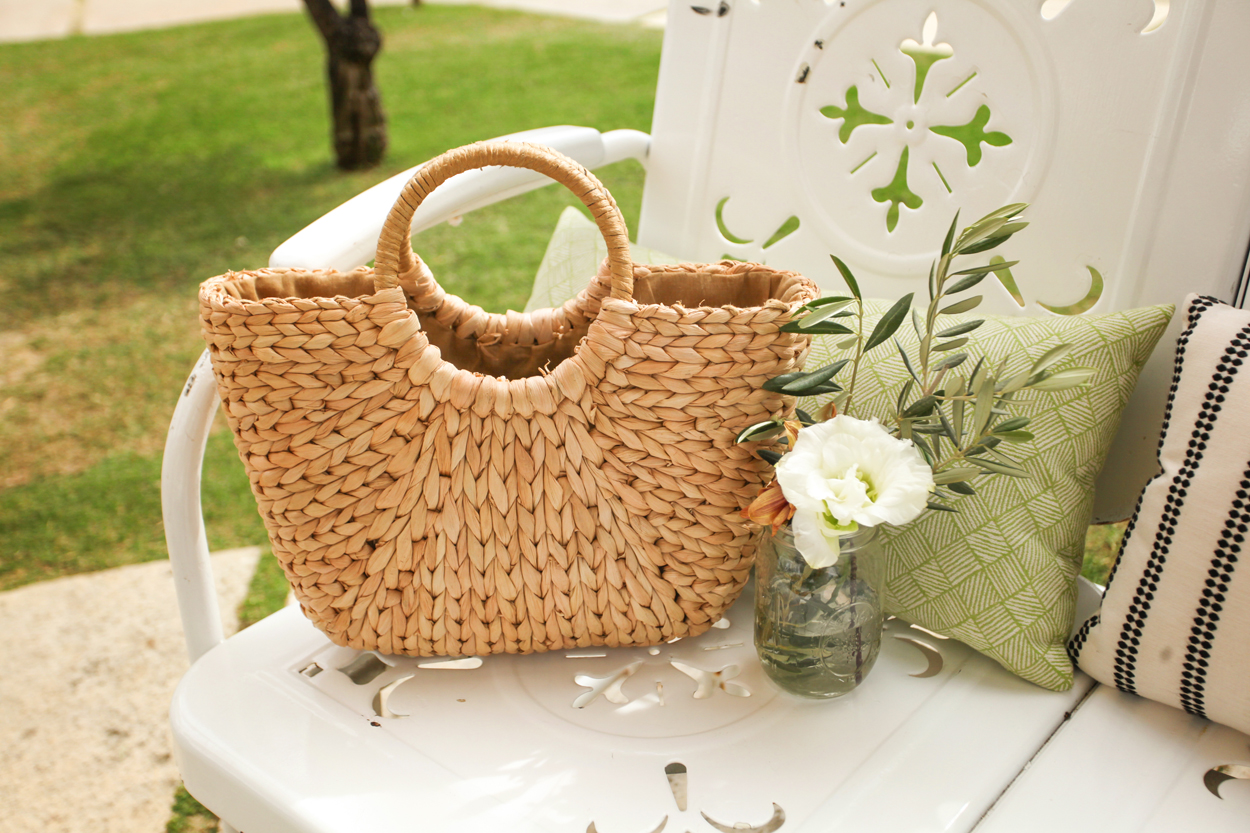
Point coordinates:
[[134, 166]]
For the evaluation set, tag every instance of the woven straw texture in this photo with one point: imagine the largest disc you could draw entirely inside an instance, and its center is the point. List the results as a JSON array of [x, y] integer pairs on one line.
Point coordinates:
[[438, 480]]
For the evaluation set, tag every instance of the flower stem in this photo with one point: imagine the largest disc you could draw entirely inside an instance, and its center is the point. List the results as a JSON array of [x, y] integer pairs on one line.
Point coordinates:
[[859, 354], [797, 586]]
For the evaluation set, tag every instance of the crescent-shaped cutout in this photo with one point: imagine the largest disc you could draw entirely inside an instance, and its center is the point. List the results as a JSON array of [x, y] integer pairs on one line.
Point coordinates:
[[1216, 776], [720, 225], [1086, 303], [381, 700], [931, 655], [778, 819], [1162, 8]]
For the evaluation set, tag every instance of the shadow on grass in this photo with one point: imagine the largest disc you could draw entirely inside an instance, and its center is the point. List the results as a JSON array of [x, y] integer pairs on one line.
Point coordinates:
[[91, 240]]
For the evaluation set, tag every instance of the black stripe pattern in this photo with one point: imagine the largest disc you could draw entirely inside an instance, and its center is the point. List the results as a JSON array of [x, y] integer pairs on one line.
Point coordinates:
[[1200, 305], [1078, 641], [1138, 610], [1207, 617]]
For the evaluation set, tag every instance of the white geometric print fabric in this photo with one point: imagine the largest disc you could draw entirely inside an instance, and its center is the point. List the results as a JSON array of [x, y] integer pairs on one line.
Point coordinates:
[[1175, 620]]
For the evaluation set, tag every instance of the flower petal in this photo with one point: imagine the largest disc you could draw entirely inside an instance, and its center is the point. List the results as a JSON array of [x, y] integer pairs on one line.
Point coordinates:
[[810, 540], [770, 507], [857, 471]]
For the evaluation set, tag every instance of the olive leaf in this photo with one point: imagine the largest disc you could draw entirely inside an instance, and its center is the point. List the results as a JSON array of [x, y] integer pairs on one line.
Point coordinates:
[[823, 301], [824, 312], [955, 475], [906, 361], [903, 394], [824, 328], [950, 235], [978, 376], [987, 233], [950, 345], [984, 405], [1073, 377], [982, 271], [986, 245], [960, 329], [760, 432], [848, 277], [925, 449], [1013, 424], [961, 306], [998, 468], [1050, 357], [964, 283], [889, 323], [951, 361], [922, 407], [806, 384], [957, 416]]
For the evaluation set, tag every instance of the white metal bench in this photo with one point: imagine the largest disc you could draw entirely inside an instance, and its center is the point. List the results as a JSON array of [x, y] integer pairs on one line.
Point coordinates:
[[1132, 143]]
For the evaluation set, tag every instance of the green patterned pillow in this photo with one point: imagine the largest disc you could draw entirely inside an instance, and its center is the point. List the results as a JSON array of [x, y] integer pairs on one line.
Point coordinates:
[[999, 574]]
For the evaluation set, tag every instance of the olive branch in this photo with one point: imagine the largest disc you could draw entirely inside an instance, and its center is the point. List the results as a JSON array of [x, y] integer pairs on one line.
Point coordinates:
[[958, 422]]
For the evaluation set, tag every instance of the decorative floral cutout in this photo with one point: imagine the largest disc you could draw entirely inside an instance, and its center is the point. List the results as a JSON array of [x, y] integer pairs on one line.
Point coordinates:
[[972, 135], [926, 54], [853, 115], [897, 192], [611, 686]]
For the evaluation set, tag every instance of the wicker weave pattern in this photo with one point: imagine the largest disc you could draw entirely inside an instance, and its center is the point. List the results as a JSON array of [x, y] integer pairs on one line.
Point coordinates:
[[421, 509]]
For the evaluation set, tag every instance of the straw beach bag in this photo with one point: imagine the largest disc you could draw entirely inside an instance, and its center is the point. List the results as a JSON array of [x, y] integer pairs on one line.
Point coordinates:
[[438, 480]]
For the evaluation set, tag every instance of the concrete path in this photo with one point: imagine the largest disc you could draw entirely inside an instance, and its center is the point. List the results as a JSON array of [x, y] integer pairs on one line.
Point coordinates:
[[22, 20], [88, 666]]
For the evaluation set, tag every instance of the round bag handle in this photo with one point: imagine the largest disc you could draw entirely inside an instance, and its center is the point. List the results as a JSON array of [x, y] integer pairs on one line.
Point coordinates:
[[395, 256]]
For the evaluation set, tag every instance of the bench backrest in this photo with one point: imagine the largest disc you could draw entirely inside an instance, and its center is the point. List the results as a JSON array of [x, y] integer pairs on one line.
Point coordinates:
[[787, 130]]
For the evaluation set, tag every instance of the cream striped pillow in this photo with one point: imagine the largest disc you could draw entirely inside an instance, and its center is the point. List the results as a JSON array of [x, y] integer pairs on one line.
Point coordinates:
[[1175, 621]]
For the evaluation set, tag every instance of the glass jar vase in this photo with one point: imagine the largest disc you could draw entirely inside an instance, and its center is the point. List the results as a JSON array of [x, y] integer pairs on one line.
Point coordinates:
[[818, 630]]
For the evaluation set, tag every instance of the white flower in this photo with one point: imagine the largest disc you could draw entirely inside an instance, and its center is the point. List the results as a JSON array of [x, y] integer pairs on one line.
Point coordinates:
[[846, 473]]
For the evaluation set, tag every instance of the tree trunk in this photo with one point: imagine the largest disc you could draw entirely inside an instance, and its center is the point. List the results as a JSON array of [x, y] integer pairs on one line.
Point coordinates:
[[352, 42]]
